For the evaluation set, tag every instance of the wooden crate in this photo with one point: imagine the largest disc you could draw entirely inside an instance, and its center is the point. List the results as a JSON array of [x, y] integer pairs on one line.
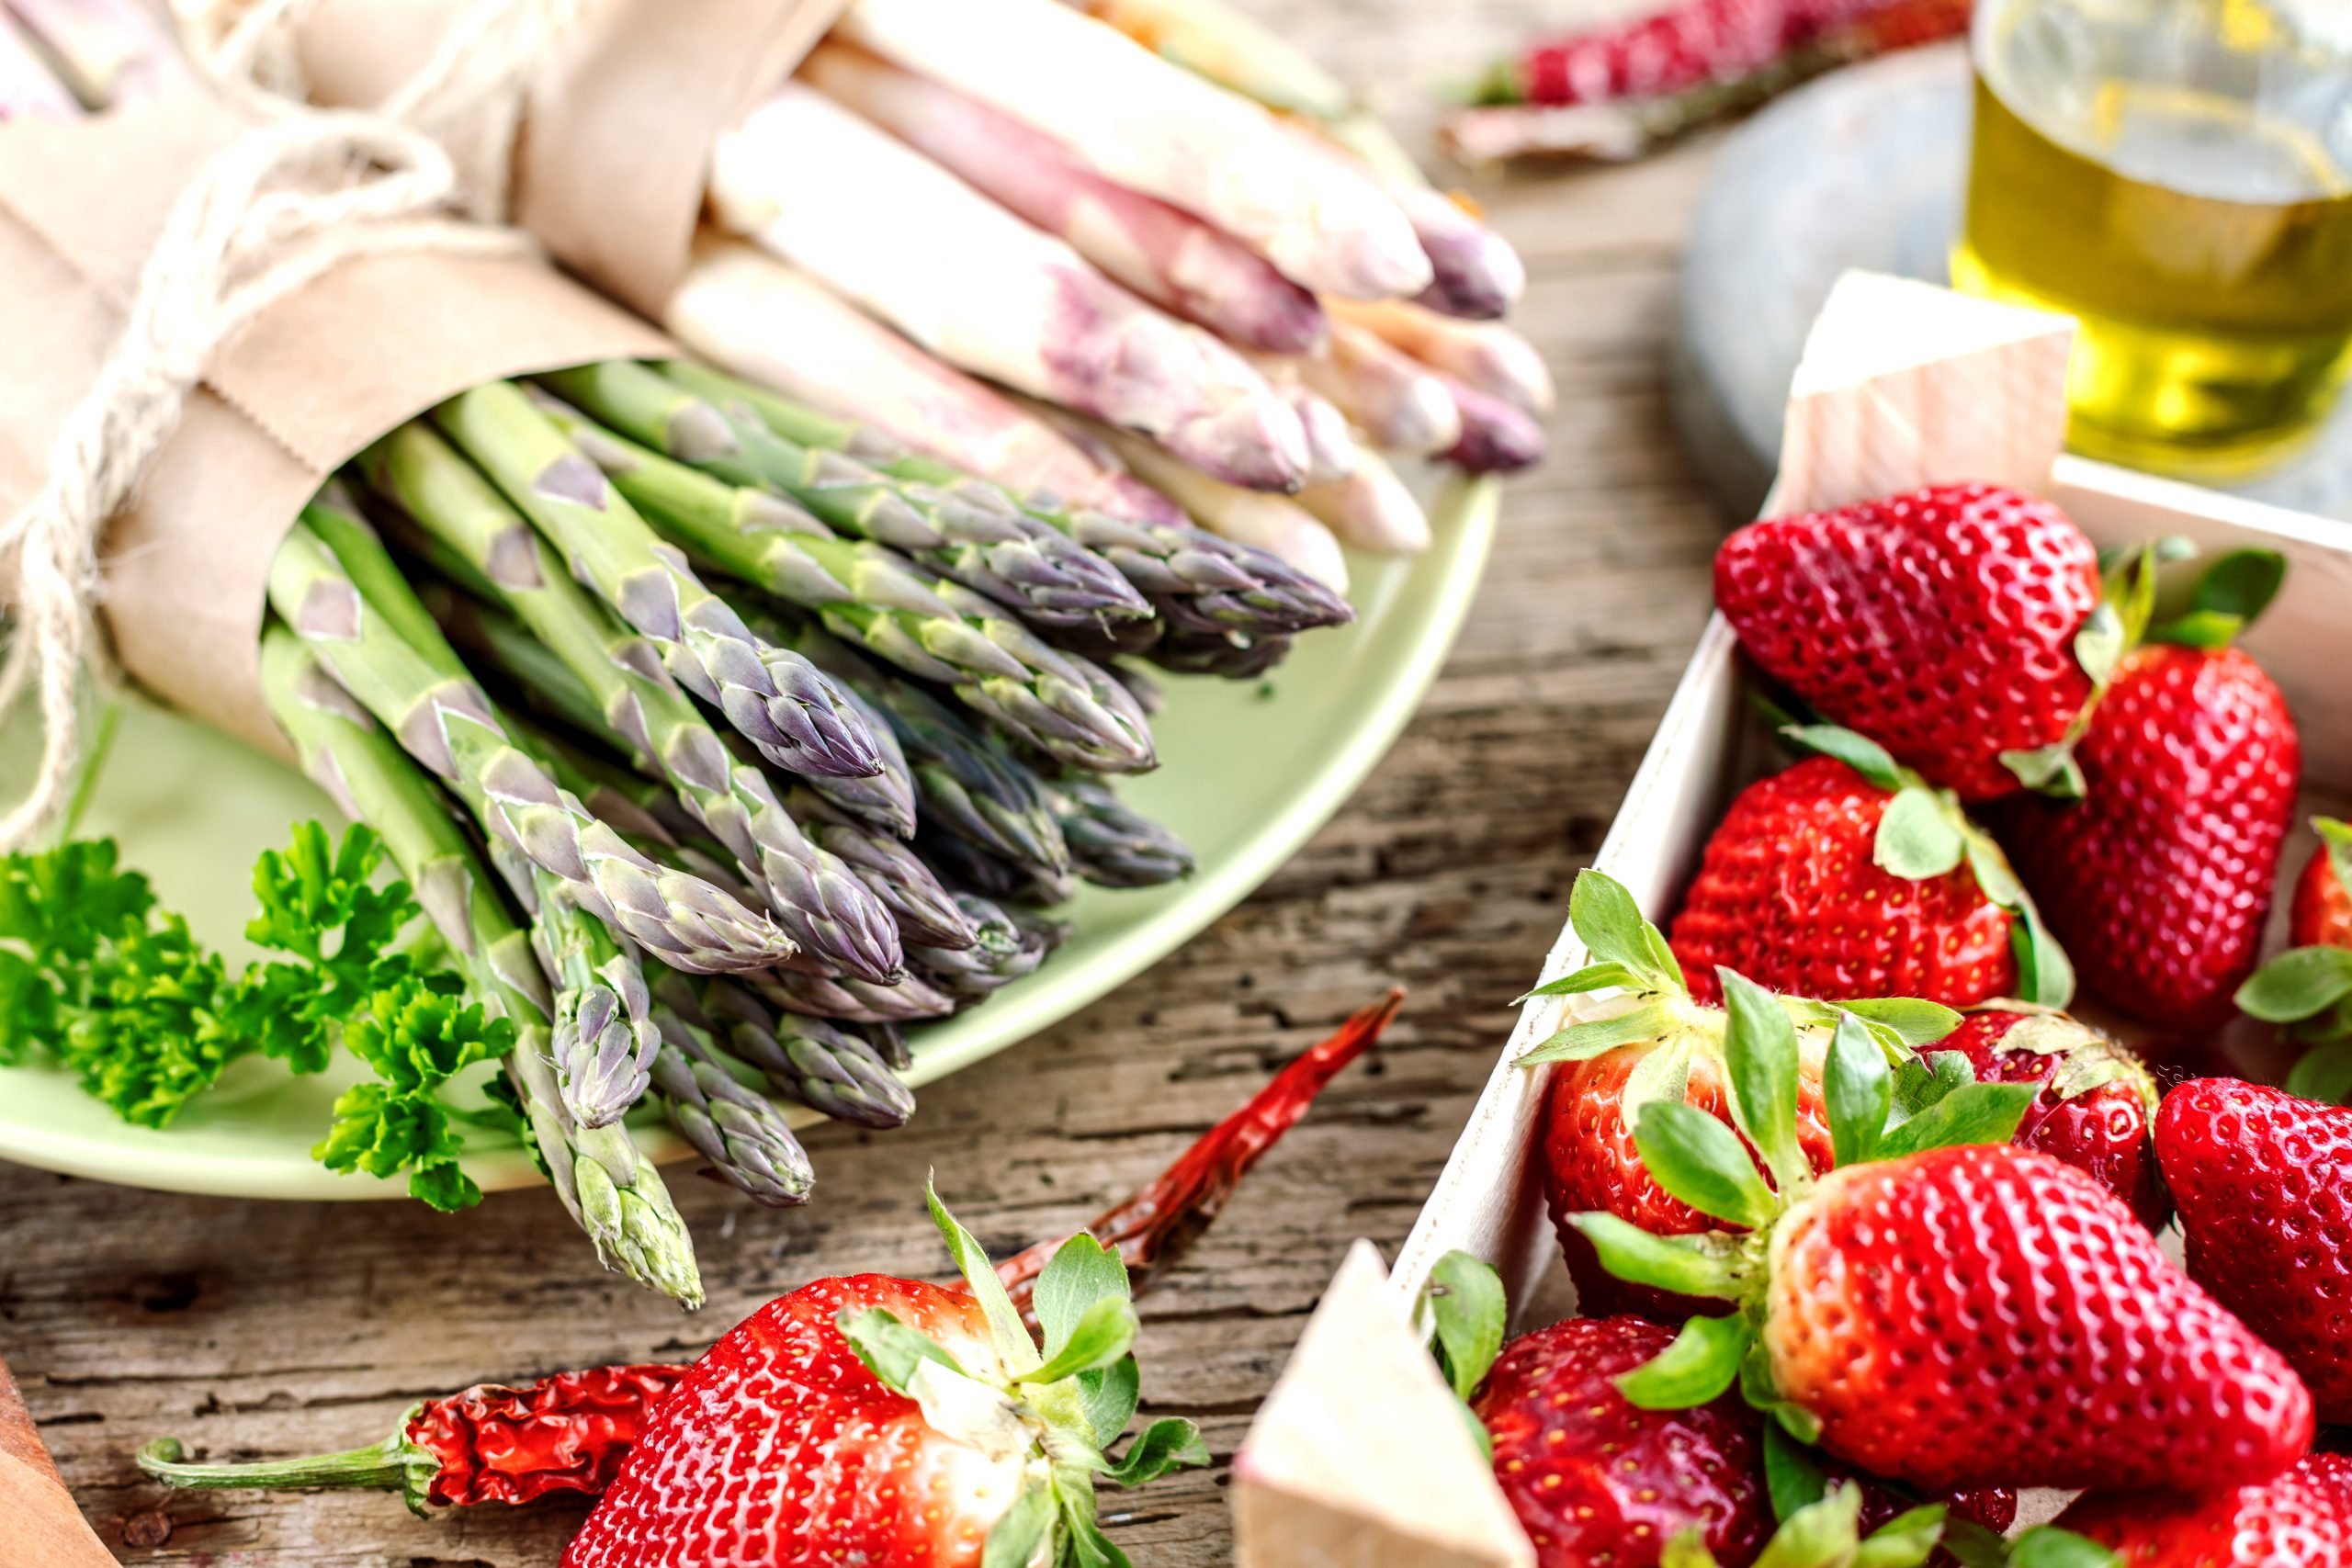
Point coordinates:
[[1902, 385]]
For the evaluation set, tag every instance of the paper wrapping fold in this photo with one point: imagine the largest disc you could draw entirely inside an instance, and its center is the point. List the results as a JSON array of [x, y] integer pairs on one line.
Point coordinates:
[[609, 170], [308, 383]]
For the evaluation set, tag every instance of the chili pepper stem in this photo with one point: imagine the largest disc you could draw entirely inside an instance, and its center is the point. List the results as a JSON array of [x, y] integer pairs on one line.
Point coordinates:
[[395, 1464]]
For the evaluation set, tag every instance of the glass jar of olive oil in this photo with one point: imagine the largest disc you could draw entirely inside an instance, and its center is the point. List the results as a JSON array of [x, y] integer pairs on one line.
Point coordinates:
[[2176, 173]]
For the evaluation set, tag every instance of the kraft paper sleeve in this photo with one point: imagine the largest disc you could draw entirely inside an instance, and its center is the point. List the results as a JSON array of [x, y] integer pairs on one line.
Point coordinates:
[[312, 380], [614, 149]]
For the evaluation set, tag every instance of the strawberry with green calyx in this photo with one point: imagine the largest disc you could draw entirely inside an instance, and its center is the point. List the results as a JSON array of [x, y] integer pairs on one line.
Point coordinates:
[[2309, 988], [2098, 1103], [1942, 624], [872, 1419], [1663, 1045], [2159, 879], [1849, 874], [1594, 1478], [1940, 1310]]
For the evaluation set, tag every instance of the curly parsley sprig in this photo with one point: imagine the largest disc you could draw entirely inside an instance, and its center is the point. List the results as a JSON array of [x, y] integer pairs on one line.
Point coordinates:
[[120, 993]]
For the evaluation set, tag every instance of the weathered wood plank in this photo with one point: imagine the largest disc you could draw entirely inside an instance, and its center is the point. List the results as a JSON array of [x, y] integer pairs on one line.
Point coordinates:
[[251, 1328]]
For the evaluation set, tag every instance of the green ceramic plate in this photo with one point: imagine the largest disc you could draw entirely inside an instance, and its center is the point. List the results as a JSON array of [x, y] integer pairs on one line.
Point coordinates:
[[1248, 773]]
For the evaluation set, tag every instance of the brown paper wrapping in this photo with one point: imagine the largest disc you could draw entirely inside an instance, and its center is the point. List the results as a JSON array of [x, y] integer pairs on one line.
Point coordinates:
[[615, 152], [315, 378]]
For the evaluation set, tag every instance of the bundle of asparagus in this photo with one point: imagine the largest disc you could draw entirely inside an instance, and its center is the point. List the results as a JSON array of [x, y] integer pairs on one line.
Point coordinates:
[[1178, 288], [727, 721]]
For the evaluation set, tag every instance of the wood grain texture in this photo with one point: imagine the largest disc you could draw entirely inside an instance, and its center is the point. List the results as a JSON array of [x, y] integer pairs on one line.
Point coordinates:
[[251, 1329]]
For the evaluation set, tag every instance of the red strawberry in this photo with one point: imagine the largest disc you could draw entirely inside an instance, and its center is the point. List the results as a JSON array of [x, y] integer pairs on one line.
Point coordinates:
[[880, 1420], [2097, 1102], [1594, 1479], [2159, 880], [1940, 624], [1940, 1310], [1789, 893], [2301, 1518], [2264, 1184], [1589, 1162], [2323, 913]]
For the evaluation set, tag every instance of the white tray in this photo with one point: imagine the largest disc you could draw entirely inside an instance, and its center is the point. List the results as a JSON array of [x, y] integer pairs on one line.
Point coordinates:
[[1903, 385]]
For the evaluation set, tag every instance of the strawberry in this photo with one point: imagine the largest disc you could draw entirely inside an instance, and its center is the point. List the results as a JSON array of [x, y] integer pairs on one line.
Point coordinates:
[[2159, 880], [1940, 624], [2097, 1105], [2299, 1518], [873, 1419], [1938, 1310], [2309, 988], [1667, 1044], [2264, 1184], [1596, 1479], [1849, 876]]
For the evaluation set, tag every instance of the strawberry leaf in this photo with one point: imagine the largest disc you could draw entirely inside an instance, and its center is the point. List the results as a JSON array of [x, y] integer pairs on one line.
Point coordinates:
[[1918, 837], [2046, 975], [2227, 599], [1006, 1331], [1819, 1534], [1081, 1273], [2324, 1073], [2047, 1546], [1700, 1366], [1919, 1084], [1865, 756], [1857, 1091], [1906, 1540], [1910, 1022], [1016, 1538], [1973, 1114], [890, 1350], [1598, 1036], [2337, 837], [2048, 770], [1163, 1446], [1760, 1055], [1688, 1548], [1702, 1265], [1470, 1313], [1792, 1473], [1702, 1162], [1609, 922], [1083, 1544], [1591, 977], [1103, 1335], [1108, 1397], [2103, 642], [2297, 984]]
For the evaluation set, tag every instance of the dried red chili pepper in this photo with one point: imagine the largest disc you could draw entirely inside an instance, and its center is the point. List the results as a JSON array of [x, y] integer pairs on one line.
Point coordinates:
[[488, 1444], [568, 1432]]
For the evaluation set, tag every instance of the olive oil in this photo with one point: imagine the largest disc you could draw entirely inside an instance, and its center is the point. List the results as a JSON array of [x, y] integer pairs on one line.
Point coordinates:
[[2204, 243]]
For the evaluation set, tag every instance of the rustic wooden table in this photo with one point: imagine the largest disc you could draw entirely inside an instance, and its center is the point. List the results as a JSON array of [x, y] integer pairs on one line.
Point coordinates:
[[254, 1330]]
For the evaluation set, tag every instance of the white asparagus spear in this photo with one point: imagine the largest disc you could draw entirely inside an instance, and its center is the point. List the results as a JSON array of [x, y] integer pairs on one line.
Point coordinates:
[[746, 310], [110, 51], [1372, 509], [1332, 451], [1494, 359], [1398, 402], [812, 183], [1496, 437], [1479, 276], [1271, 522], [27, 89], [1166, 255], [1156, 127]]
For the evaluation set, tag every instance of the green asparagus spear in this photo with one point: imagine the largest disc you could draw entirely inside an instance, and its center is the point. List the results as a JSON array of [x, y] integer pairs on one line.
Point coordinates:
[[606, 1184], [579, 644], [941, 631], [1112, 845], [446, 723], [820, 1064], [785, 707], [750, 1145], [1025, 564], [1006, 951], [1194, 579]]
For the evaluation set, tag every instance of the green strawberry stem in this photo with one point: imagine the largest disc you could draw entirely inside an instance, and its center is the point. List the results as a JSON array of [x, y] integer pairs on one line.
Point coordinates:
[[1630, 953], [1876, 1113], [2226, 598], [1065, 1405], [393, 1465], [1927, 833]]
